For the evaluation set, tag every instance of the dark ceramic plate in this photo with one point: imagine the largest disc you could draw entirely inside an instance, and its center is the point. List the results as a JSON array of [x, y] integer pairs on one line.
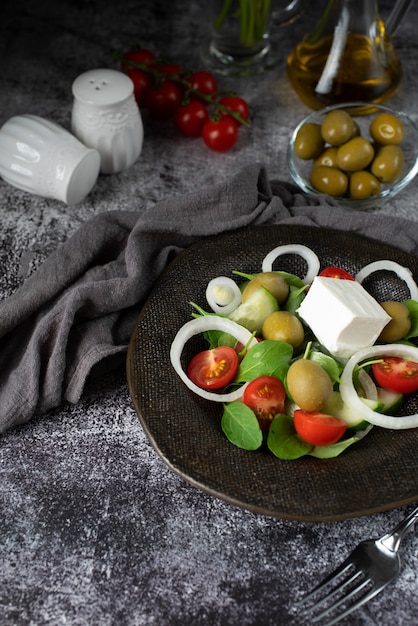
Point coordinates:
[[376, 474]]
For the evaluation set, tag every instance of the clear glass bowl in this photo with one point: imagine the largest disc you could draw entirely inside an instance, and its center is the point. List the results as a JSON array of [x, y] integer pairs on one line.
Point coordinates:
[[300, 169]]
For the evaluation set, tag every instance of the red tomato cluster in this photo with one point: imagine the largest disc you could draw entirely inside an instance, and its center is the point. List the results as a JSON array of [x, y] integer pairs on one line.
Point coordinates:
[[192, 100]]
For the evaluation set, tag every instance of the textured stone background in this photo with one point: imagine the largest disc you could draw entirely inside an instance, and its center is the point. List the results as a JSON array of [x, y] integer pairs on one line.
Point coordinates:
[[95, 529]]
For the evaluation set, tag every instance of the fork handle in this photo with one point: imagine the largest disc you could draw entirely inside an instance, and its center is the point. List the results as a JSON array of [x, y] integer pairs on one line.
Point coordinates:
[[393, 539]]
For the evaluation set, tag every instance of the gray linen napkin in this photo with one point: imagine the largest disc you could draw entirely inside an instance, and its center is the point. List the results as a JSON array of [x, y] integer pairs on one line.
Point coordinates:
[[74, 316]]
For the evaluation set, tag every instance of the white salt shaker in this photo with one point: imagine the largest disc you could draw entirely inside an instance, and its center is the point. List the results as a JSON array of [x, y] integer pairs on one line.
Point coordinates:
[[43, 158], [105, 116]]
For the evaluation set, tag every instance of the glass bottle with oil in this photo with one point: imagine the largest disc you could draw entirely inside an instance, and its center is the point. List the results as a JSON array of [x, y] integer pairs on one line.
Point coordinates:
[[349, 56]]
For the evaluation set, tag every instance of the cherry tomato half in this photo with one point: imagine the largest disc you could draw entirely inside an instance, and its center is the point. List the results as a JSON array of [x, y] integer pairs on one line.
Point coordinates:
[[163, 100], [236, 104], [265, 395], [220, 135], [213, 369], [318, 429], [396, 374], [336, 272], [189, 118]]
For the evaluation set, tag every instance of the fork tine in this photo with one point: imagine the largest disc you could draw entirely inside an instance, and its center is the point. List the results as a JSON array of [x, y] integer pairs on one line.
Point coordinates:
[[335, 589], [364, 598], [341, 569], [355, 590]]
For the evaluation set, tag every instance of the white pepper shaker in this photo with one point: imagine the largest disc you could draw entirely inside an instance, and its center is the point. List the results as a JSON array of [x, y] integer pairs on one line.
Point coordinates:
[[105, 116]]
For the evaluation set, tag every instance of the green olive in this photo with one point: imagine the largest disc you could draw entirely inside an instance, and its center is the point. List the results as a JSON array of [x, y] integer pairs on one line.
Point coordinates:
[[400, 323], [309, 142], [356, 129], [329, 180], [272, 281], [386, 128], [355, 154], [388, 163], [328, 157], [309, 385], [337, 127], [284, 326], [363, 185]]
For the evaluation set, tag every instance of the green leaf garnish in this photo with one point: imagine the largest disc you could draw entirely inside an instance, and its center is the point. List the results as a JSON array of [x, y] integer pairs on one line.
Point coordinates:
[[241, 426]]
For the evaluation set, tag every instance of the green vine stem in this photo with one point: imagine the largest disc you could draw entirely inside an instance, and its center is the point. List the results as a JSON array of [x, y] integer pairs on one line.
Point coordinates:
[[159, 76], [252, 14]]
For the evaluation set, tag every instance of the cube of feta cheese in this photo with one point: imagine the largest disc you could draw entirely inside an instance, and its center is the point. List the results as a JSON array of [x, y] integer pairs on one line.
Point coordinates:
[[344, 317]]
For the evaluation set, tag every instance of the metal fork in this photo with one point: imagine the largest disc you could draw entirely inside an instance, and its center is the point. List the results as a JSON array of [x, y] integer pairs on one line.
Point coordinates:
[[371, 566]]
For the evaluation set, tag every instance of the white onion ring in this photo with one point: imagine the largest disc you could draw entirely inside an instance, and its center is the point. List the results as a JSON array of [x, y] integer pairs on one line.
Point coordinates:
[[369, 388], [349, 394], [223, 295], [404, 274], [295, 248], [200, 325]]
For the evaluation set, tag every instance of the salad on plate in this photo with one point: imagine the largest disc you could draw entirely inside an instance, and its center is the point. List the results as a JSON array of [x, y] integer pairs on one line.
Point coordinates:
[[305, 365]]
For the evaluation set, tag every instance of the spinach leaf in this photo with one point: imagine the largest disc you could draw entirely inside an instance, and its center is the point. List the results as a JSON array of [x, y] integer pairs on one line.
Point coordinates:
[[328, 363], [241, 426], [292, 280], [283, 441], [335, 449], [294, 299], [267, 358]]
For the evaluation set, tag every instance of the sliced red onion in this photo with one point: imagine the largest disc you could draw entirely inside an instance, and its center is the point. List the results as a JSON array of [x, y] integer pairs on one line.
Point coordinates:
[[349, 394], [223, 295], [404, 274], [294, 248], [201, 325]]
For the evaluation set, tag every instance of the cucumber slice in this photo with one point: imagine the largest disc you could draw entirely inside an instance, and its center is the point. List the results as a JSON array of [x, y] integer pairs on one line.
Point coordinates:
[[390, 400], [252, 313], [335, 406]]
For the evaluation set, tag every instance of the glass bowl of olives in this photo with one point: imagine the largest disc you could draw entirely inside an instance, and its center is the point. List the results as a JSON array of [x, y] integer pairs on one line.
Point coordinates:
[[360, 160]]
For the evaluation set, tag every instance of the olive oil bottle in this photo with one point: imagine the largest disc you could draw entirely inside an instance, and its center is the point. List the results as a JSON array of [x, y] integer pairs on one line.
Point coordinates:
[[349, 56]]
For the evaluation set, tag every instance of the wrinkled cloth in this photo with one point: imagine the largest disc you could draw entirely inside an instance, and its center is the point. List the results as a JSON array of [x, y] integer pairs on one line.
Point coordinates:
[[73, 317]]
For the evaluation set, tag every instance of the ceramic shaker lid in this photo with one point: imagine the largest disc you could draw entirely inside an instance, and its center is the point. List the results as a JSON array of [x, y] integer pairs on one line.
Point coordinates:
[[102, 87]]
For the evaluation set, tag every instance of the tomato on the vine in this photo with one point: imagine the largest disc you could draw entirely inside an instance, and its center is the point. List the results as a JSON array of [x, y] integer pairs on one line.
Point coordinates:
[[396, 374], [173, 69], [318, 429], [190, 117], [220, 135], [265, 396], [141, 83], [138, 56], [236, 104], [204, 82], [163, 100], [336, 272], [214, 368]]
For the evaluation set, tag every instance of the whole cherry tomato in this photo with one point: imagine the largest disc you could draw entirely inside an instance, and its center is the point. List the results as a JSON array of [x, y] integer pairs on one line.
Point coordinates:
[[138, 56], [170, 68], [236, 104], [163, 100], [189, 118], [220, 135], [203, 81], [141, 82]]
